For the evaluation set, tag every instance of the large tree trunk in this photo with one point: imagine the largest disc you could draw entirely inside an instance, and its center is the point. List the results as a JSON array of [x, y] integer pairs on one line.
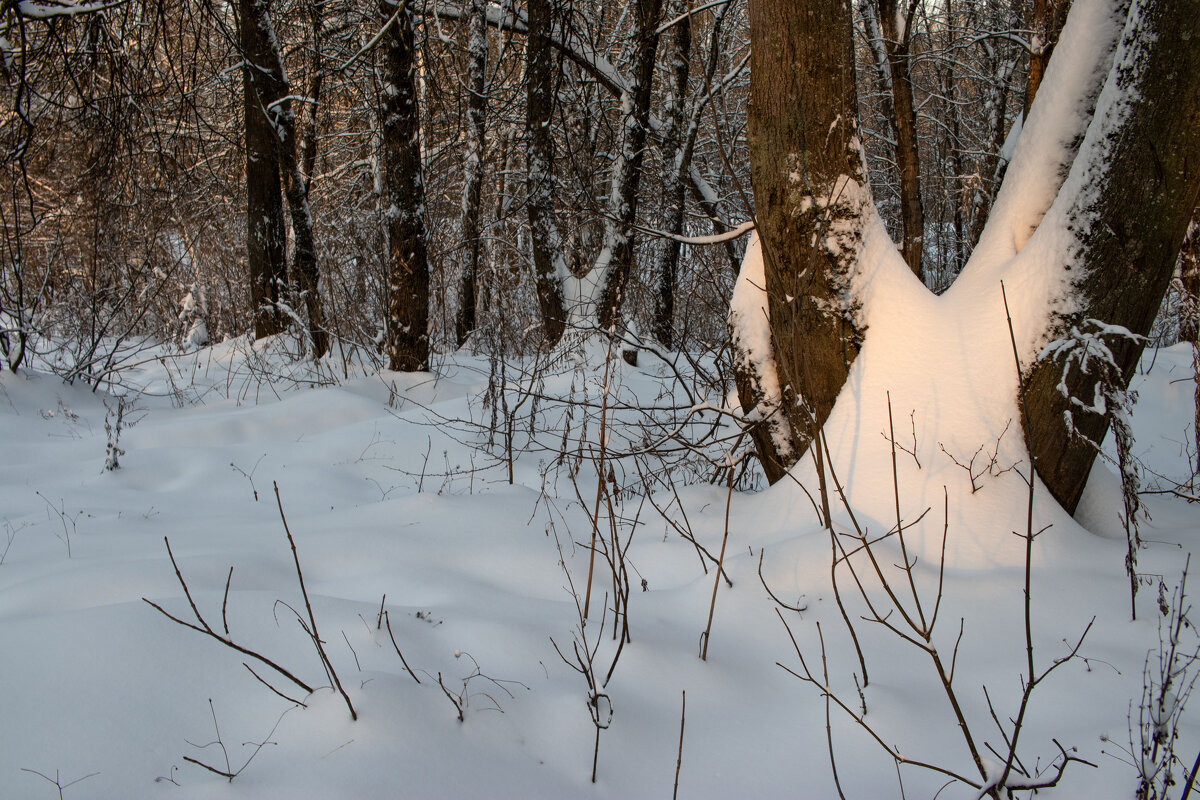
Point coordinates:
[[1135, 184], [477, 59], [266, 254], [550, 270], [811, 194], [404, 194]]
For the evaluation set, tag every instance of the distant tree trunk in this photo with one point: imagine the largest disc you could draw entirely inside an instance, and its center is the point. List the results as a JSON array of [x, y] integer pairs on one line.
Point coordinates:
[[312, 100], [544, 239], [627, 172], [897, 33], [404, 194], [983, 191], [274, 92], [1046, 22], [266, 254], [1189, 323], [477, 59], [811, 195], [677, 148], [1141, 162], [1189, 282]]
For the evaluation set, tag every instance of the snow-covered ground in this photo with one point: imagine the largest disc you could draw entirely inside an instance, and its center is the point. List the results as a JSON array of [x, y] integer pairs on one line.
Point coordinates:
[[388, 490]]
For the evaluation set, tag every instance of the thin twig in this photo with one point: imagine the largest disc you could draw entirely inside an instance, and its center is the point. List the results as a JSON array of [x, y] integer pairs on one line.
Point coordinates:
[[679, 757], [388, 622], [308, 605]]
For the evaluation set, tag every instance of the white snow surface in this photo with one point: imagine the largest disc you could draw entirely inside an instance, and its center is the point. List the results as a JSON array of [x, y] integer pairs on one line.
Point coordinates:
[[99, 686]]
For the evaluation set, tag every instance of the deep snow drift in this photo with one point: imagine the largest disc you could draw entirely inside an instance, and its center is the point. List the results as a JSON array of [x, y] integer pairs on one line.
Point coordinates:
[[389, 491]]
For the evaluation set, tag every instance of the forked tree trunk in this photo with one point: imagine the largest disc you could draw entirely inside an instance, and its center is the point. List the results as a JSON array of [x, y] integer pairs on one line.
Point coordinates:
[[1142, 163], [1125, 206], [266, 254], [811, 193], [404, 194]]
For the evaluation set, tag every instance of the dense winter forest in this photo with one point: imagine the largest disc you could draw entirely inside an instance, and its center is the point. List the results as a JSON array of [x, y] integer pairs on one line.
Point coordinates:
[[511, 341]]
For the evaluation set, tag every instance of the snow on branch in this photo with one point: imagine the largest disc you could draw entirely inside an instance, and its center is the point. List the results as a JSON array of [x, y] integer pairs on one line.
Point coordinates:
[[62, 8]]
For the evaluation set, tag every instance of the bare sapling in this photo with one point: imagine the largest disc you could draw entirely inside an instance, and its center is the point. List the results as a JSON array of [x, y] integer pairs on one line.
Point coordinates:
[[461, 699], [308, 624], [58, 781], [896, 602], [1169, 675], [712, 606], [584, 659], [228, 772]]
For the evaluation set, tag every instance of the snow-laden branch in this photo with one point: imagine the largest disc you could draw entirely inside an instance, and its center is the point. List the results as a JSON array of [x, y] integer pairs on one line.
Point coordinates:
[[718, 238], [62, 8]]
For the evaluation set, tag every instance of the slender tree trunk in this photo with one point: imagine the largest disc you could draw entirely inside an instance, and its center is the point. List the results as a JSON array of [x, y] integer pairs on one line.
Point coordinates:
[[1189, 282], [477, 58], [677, 151], [274, 93], [627, 173], [312, 102], [984, 190], [1189, 323], [404, 194], [1139, 174], [1047, 18], [548, 263], [265, 236], [897, 22], [811, 195]]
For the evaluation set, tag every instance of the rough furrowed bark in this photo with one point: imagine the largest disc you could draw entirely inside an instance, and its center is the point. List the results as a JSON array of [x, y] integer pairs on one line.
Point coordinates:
[[404, 196], [1140, 173], [811, 194]]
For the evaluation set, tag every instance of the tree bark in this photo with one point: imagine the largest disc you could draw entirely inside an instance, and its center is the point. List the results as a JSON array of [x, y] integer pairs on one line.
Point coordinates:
[[477, 59], [1046, 22], [677, 152], [896, 39], [404, 194], [550, 271], [619, 233], [266, 255], [1189, 283], [1138, 172], [811, 195], [274, 93]]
